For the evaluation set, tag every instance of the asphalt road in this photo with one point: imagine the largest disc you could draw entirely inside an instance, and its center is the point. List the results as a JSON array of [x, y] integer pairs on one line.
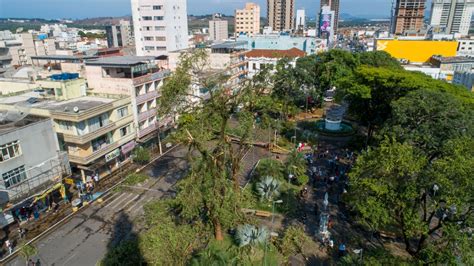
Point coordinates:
[[85, 239]]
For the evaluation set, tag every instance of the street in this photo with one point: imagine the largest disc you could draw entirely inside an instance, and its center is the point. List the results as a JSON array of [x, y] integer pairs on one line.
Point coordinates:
[[86, 238]]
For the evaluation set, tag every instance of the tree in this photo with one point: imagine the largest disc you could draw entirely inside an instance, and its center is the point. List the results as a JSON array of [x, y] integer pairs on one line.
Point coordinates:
[[270, 167], [296, 166], [379, 59], [428, 119], [141, 155], [251, 235], [394, 188], [268, 188], [204, 127]]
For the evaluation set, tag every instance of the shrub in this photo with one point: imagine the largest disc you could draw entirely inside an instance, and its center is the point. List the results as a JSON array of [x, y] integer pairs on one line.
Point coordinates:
[[270, 167], [134, 179], [268, 188], [251, 235], [141, 155]]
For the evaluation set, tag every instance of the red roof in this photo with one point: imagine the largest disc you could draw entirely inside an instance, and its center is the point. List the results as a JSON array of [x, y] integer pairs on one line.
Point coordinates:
[[291, 53]]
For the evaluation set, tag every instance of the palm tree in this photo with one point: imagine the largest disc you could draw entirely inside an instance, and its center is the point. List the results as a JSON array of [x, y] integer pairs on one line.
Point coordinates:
[[268, 188], [251, 235]]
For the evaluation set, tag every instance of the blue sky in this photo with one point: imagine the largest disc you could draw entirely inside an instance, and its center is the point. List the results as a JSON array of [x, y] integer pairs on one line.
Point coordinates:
[[94, 8]]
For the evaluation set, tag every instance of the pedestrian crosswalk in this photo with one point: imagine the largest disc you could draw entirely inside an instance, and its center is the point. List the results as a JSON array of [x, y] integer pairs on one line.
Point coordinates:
[[129, 202]]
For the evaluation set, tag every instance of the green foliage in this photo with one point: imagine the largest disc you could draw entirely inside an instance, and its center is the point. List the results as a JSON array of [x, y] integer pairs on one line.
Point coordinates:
[[374, 257], [125, 253], [296, 165], [268, 188], [91, 35], [27, 251], [270, 167], [251, 235], [168, 242], [379, 59], [141, 155], [428, 119], [135, 179], [392, 189], [294, 241]]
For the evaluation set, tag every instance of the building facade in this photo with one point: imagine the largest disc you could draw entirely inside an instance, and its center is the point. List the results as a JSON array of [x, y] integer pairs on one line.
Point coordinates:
[[408, 16], [465, 47], [139, 78], [247, 20], [218, 29], [334, 6], [261, 59], [160, 26], [452, 16], [309, 45], [280, 14], [300, 24], [120, 35], [30, 157], [464, 78]]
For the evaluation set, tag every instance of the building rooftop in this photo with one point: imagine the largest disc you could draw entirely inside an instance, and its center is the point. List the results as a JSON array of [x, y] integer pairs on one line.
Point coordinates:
[[120, 61], [11, 121], [63, 57], [230, 45], [291, 53], [36, 100], [453, 59]]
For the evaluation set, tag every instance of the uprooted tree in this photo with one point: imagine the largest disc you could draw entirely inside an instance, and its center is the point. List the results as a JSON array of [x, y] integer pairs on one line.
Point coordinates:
[[205, 102]]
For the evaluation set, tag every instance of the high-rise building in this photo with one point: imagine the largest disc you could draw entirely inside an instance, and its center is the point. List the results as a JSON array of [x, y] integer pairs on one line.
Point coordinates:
[[408, 16], [327, 20], [119, 35], [300, 20], [247, 20], [160, 26], [218, 28], [334, 6], [452, 16], [280, 14]]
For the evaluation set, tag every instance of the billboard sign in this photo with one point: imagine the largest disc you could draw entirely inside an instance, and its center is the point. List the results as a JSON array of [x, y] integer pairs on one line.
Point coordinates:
[[325, 22]]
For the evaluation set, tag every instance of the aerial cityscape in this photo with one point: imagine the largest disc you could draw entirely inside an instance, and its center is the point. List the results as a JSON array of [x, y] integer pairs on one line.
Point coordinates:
[[236, 132]]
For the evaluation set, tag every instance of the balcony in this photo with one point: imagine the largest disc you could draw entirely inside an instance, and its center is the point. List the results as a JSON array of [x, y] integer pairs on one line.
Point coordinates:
[[94, 156], [89, 136], [142, 133], [147, 97], [151, 77], [147, 114]]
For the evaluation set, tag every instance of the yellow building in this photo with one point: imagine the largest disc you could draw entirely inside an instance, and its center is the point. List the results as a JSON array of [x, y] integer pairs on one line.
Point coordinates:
[[419, 51]]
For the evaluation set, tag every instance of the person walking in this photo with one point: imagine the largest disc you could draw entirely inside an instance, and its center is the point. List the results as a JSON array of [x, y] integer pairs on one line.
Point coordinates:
[[9, 246]]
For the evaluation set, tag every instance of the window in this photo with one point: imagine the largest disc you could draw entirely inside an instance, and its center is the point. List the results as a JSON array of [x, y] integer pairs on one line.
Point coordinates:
[[124, 131], [10, 150], [147, 38], [146, 28], [160, 39], [122, 112], [158, 18], [157, 7], [14, 176], [160, 28], [59, 92], [98, 122], [101, 142], [147, 18], [161, 48], [65, 125], [149, 48]]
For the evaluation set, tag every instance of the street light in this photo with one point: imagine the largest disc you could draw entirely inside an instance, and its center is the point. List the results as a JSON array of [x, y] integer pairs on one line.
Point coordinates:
[[271, 229]]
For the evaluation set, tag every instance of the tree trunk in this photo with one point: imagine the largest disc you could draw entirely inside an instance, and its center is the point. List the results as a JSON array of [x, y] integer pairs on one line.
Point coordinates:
[[218, 230]]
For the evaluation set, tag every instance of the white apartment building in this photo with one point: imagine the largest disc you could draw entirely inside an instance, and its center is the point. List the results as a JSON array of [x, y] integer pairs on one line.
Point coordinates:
[[300, 24], [218, 29], [247, 20], [160, 26], [452, 16]]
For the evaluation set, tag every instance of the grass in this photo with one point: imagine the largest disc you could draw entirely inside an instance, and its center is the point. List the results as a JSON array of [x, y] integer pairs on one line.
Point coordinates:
[[135, 179]]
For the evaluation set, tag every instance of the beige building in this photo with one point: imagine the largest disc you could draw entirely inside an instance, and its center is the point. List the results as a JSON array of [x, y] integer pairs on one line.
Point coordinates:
[[26, 45], [97, 132], [280, 14], [218, 29], [247, 20], [140, 78]]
